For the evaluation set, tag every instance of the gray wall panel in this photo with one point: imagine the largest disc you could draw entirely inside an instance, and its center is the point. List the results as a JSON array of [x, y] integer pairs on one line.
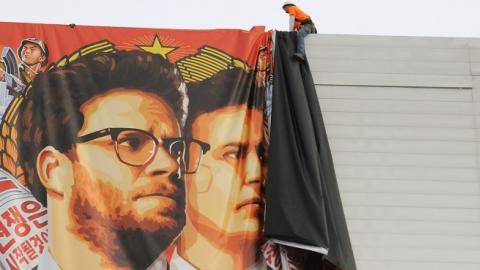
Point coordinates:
[[388, 53], [390, 66], [397, 119], [403, 119], [406, 107], [399, 80], [394, 93], [383, 198], [407, 173], [402, 146], [389, 41]]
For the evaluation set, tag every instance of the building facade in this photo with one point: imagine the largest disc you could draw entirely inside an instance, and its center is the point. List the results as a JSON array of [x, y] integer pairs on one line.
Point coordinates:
[[402, 116]]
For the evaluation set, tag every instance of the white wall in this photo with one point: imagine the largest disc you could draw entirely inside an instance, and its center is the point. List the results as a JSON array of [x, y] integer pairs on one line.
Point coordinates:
[[403, 119]]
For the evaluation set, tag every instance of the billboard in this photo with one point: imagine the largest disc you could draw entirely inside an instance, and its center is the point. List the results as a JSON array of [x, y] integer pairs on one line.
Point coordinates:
[[129, 148]]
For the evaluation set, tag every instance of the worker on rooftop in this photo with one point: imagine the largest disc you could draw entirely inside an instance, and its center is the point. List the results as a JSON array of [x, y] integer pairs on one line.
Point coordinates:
[[302, 23]]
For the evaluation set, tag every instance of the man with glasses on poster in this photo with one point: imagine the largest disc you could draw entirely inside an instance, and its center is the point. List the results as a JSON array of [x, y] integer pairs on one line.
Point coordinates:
[[224, 206], [101, 146]]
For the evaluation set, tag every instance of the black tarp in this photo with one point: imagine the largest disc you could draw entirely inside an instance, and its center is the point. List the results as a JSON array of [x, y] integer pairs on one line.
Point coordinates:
[[303, 200]]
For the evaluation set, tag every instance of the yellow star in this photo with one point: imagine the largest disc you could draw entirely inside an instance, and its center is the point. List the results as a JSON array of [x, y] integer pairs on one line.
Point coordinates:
[[157, 48]]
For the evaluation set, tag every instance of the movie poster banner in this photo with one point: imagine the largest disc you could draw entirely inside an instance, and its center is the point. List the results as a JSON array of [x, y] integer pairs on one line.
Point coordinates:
[[129, 148]]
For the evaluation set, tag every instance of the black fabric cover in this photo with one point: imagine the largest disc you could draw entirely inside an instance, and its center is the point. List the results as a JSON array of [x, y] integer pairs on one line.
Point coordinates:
[[303, 203]]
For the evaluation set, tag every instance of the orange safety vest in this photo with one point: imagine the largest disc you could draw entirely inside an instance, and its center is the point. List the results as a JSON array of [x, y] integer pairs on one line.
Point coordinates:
[[299, 15]]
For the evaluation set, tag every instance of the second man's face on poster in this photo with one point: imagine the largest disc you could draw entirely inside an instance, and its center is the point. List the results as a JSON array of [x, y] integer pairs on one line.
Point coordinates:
[[224, 194]]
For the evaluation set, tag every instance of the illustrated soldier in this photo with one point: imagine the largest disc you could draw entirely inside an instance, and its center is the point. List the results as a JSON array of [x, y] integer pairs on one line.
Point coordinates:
[[33, 54]]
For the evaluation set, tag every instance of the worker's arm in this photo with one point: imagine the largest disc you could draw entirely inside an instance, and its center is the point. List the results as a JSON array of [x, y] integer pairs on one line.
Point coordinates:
[[291, 23]]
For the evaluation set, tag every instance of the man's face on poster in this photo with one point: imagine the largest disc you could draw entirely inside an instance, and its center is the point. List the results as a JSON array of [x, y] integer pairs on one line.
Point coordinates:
[[32, 54], [104, 189], [224, 194]]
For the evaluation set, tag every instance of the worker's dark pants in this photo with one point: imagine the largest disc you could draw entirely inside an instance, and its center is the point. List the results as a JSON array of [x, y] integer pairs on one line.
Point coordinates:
[[302, 33]]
